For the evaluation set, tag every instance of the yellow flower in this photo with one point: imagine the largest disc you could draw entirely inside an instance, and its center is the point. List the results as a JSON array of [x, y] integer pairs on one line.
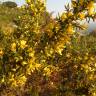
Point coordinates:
[[13, 47], [80, 58], [63, 16], [14, 84], [37, 66], [2, 80], [47, 71], [31, 54], [70, 29], [59, 48], [81, 15], [90, 7], [23, 44], [70, 14], [90, 4], [90, 77], [1, 52], [91, 11], [30, 69], [59, 51], [22, 80], [32, 6]]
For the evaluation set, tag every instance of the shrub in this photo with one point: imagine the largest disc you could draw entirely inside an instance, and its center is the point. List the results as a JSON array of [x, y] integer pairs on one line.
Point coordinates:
[[9, 4], [39, 58]]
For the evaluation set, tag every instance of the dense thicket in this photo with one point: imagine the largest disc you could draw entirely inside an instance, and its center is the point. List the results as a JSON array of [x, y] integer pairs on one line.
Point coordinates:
[[45, 56]]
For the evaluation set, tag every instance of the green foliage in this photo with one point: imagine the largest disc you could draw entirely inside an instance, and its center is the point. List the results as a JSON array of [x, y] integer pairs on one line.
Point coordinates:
[[9, 4]]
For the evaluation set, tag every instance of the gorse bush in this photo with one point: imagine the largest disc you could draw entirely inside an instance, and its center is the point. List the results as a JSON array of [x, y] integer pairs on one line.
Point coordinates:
[[41, 57]]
